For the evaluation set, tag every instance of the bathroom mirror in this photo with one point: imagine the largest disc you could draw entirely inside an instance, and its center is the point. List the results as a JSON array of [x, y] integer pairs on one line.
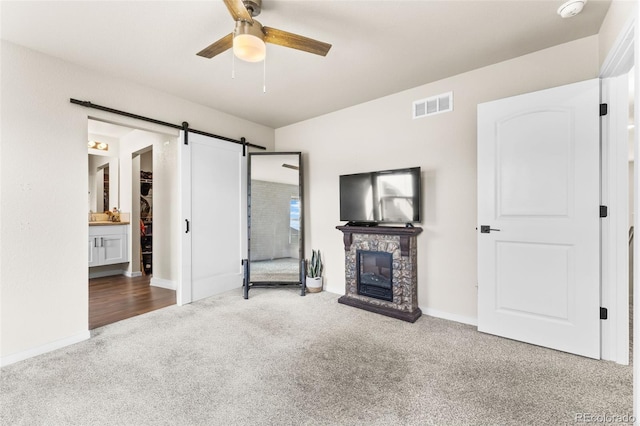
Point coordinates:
[[275, 221], [103, 182]]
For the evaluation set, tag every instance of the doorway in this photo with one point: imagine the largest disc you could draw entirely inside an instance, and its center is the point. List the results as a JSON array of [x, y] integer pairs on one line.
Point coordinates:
[[142, 163], [131, 285]]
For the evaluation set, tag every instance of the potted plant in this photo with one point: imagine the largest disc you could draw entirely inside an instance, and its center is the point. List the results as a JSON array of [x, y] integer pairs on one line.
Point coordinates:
[[314, 273]]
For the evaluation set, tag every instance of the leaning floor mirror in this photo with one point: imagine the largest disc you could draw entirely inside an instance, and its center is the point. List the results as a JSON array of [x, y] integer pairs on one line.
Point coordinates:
[[275, 222]]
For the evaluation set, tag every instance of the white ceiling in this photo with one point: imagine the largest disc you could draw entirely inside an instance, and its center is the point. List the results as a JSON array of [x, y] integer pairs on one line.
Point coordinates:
[[379, 47]]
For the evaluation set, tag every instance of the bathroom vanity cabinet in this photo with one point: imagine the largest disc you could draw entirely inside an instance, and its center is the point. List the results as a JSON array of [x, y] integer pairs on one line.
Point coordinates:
[[108, 244]]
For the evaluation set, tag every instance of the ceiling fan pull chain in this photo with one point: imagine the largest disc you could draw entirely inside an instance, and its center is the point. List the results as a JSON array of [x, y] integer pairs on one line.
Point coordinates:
[[233, 66]]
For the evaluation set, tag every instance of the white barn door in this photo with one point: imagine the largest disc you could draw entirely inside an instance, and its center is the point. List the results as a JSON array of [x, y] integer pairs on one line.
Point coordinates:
[[538, 218], [214, 211]]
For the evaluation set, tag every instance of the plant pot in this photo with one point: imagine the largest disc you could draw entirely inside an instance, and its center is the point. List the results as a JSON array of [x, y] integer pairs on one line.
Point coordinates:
[[314, 284]]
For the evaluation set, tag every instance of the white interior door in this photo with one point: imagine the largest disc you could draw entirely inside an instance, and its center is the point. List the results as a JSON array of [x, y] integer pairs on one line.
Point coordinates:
[[214, 188], [538, 192]]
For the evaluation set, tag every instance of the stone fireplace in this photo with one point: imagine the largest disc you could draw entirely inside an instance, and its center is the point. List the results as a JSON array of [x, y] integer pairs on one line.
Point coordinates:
[[381, 270]]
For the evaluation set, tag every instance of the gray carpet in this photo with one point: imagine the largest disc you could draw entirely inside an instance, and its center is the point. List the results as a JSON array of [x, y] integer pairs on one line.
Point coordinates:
[[282, 359]]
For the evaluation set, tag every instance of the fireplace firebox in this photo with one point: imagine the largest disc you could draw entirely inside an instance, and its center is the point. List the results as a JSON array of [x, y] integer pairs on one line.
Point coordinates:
[[375, 272]]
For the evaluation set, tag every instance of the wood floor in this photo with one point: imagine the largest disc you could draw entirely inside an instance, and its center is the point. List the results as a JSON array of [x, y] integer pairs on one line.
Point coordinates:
[[115, 298]]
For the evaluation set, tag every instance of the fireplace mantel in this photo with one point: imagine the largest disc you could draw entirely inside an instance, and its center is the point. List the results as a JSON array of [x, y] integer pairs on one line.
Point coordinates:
[[401, 244], [405, 234]]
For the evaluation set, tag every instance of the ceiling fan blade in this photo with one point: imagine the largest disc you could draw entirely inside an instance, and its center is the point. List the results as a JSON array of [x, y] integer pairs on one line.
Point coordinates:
[[295, 41], [218, 47], [238, 11]]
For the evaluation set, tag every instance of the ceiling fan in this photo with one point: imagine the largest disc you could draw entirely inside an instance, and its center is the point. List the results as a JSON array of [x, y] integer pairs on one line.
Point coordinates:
[[249, 37]]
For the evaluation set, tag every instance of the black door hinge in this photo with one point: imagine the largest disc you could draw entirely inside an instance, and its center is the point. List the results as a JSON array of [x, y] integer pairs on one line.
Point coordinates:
[[604, 109], [604, 211], [604, 313]]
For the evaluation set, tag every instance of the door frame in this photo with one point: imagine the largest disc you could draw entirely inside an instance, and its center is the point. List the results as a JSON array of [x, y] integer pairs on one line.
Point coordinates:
[[614, 194], [625, 52], [614, 180]]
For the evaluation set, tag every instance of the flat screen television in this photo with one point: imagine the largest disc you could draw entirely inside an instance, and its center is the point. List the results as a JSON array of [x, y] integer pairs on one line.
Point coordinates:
[[386, 196]]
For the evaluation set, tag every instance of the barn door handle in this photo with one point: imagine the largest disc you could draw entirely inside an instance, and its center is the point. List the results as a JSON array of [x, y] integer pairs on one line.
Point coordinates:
[[485, 229], [187, 222]]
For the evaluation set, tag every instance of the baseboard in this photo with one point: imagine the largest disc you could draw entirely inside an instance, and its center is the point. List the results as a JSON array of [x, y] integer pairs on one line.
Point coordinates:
[[52, 346], [449, 316], [107, 273], [162, 283], [132, 274]]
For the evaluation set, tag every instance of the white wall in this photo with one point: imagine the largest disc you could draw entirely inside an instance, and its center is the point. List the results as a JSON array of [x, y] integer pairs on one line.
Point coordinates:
[[382, 135], [43, 168], [130, 166], [132, 186], [166, 220], [620, 13]]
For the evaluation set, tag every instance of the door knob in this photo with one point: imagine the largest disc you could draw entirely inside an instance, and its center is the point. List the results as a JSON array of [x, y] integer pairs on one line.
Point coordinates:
[[485, 229]]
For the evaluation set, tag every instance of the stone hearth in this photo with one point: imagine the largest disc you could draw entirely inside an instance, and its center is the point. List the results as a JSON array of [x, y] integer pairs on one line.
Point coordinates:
[[401, 243]]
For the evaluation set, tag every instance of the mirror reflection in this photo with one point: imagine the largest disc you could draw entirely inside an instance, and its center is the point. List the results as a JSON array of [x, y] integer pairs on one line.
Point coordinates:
[[103, 182], [275, 218]]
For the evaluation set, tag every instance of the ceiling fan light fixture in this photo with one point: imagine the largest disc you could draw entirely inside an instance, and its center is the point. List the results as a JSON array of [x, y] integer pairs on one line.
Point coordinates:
[[249, 37], [249, 48], [248, 42]]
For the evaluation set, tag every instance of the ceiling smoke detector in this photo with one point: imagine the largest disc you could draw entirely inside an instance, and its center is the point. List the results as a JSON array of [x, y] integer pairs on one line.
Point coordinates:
[[571, 8]]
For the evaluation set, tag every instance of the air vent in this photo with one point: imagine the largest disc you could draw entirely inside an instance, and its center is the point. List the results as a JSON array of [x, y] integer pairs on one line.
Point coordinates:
[[433, 105]]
